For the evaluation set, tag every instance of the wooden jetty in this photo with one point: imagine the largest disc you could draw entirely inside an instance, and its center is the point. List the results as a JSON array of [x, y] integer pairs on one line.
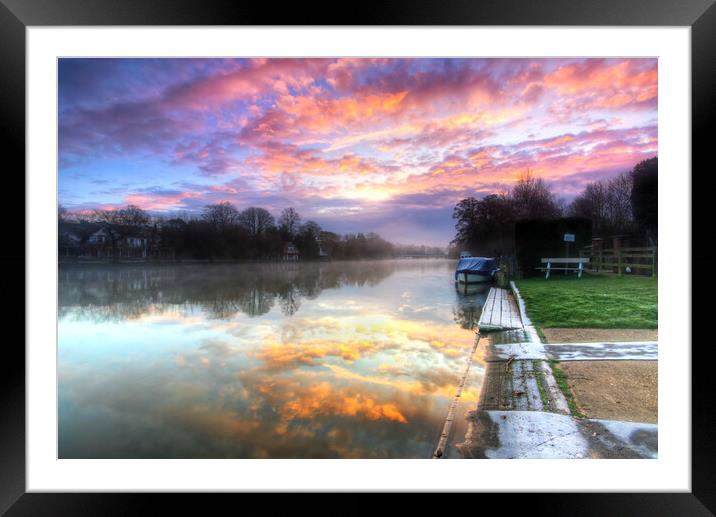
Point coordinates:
[[500, 312]]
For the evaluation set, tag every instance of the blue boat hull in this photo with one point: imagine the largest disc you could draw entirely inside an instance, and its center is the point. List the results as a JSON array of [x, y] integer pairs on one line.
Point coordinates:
[[474, 277], [475, 270]]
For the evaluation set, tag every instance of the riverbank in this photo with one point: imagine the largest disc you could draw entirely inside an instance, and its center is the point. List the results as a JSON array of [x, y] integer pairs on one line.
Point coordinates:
[[534, 405], [154, 262], [600, 309]]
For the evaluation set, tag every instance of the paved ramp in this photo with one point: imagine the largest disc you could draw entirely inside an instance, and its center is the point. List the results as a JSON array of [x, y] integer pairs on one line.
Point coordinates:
[[643, 351], [612, 351], [520, 385], [537, 434]]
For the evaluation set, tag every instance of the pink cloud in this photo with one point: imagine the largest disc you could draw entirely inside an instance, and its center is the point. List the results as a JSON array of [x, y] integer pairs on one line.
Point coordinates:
[[335, 134]]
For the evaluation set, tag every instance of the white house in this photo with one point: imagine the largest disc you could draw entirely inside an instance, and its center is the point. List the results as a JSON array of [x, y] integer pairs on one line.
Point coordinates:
[[290, 252]]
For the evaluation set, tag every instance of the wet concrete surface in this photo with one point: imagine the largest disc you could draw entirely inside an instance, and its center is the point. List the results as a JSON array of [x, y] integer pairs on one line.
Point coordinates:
[[505, 337], [522, 413], [520, 385], [539, 434], [476, 378], [511, 386], [645, 351], [516, 351], [637, 351]]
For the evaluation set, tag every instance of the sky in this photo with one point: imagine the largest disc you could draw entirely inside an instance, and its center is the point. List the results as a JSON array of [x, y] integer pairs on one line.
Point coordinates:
[[387, 145]]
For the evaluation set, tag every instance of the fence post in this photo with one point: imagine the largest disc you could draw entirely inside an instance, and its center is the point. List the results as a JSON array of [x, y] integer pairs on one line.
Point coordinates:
[[653, 262], [618, 253], [597, 253]]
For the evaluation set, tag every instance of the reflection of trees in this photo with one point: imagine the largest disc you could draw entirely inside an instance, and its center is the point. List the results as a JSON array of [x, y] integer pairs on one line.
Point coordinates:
[[469, 302], [290, 301], [256, 302], [223, 308], [115, 312], [116, 292]]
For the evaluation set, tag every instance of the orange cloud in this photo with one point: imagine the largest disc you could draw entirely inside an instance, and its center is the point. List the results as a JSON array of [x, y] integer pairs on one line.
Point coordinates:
[[322, 400]]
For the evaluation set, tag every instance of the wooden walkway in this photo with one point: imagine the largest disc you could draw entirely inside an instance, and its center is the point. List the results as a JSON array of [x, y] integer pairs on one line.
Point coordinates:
[[500, 312]]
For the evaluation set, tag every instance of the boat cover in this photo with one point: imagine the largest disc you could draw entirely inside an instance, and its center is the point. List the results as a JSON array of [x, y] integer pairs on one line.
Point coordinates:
[[476, 265]]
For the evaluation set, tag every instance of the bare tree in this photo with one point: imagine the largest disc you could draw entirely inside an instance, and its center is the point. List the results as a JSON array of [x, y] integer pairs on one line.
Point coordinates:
[[220, 215], [592, 204], [131, 216], [487, 225], [255, 220], [289, 221], [465, 212], [608, 204], [311, 229], [484, 225], [619, 203], [531, 198]]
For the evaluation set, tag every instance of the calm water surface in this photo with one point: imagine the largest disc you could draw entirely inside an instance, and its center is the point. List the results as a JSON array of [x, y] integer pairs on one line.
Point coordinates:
[[346, 359]]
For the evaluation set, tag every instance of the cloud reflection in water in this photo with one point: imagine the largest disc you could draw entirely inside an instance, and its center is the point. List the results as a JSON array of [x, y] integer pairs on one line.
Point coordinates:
[[275, 361]]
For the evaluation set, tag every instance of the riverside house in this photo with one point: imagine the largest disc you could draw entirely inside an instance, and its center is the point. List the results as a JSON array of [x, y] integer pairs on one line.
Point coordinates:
[[99, 241], [290, 252]]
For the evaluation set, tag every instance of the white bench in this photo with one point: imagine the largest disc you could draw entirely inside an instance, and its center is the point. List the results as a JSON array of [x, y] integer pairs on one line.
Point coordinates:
[[568, 264]]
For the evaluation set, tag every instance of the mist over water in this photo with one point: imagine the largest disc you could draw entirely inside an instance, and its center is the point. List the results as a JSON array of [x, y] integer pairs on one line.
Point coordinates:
[[306, 360]]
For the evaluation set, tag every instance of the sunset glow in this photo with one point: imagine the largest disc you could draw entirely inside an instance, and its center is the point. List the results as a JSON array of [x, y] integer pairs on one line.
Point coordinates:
[[383, 145]]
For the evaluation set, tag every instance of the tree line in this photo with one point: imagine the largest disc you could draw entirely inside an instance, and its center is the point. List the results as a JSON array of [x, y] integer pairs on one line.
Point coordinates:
[[115, 294], [221, 231], [625, 204]]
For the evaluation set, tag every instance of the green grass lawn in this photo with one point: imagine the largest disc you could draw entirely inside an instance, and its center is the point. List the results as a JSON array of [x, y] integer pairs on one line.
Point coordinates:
[[593, 301]]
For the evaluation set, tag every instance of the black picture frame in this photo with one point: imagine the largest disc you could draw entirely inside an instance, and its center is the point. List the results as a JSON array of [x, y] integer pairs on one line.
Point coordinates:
[[17, 15]]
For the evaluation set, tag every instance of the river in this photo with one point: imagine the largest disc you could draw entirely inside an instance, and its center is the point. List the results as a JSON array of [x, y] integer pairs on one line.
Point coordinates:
[[303, 360]]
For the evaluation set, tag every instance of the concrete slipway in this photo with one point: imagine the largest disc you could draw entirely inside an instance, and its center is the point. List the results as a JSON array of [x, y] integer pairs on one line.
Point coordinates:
[[521, 412]]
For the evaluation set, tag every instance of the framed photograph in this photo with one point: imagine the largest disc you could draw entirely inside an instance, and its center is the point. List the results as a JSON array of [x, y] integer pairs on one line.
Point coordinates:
[[445, 249]]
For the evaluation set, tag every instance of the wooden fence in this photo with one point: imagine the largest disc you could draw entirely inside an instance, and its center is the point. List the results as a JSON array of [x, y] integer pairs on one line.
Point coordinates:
[[617, 260]]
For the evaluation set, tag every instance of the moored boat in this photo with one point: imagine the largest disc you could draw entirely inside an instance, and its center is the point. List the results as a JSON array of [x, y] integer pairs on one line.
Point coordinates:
[[475, 270]]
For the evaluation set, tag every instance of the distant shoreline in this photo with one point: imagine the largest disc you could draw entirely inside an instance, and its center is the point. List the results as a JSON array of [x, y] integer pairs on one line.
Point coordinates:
[[231, 261]]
